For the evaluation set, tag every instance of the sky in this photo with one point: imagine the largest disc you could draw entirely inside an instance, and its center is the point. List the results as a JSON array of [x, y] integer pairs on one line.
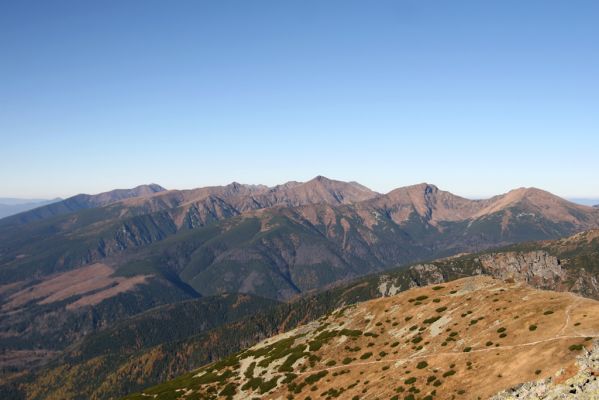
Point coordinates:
[[477, 97]]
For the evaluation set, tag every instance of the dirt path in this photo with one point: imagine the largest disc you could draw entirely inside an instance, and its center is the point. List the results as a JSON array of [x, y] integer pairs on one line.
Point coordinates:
[[558, 336], [449, 353]]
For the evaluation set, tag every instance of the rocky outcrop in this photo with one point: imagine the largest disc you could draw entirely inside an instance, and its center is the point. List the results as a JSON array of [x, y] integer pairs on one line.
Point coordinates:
[[537, 268], [582, 386], [417, 275]]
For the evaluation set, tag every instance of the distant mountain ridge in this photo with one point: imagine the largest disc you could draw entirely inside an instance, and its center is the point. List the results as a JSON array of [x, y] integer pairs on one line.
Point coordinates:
[[12, 206], [82, 202], [348, 227]]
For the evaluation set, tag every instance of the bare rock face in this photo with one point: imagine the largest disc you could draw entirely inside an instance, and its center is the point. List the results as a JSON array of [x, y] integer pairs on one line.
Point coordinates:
[[418, 275], [582, 386], [425, 274], [537, 268]]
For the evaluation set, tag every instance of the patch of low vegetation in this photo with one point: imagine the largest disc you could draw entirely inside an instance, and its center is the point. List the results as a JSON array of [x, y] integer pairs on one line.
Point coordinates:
[[410, 381], [311, 379], [431, 320], [576, 347], [422, 364]]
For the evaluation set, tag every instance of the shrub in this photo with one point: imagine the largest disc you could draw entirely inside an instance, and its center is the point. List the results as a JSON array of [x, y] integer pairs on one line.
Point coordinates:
[[366, 356], [347, 360], [441, 309], [315, 377], [449, 373], [467, 349], [438, 287], [229, 390], [422, 364], [410, 381], [575, 347], [548, 312], [501, 330], [533, 327], [431, 320]]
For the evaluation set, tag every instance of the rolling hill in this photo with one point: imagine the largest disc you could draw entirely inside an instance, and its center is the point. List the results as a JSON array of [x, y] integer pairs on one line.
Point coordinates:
[[470, 338]]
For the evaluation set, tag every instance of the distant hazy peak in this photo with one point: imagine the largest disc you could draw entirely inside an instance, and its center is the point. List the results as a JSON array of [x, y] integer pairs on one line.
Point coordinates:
[[84, 201], [111, 196]]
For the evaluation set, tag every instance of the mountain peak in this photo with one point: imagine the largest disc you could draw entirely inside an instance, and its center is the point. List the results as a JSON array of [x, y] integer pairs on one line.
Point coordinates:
[[321, 179], [429, 202], [424, 187], [154, 186]]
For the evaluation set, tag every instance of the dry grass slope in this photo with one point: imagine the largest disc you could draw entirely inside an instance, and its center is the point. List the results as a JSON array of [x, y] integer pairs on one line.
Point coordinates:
[[467, 339]]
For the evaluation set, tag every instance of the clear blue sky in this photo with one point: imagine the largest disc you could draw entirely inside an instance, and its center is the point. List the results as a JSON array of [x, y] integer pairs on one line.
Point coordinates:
[[476, 97]]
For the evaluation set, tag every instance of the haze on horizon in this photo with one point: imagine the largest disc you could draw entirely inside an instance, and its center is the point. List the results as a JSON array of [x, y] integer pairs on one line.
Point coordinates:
[[476, 98]]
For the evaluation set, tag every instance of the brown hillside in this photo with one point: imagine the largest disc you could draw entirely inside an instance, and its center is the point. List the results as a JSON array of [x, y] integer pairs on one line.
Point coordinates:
[[467, 339]]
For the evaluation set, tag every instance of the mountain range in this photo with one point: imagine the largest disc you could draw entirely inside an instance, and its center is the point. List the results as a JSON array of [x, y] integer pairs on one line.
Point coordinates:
[[86, 264]]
